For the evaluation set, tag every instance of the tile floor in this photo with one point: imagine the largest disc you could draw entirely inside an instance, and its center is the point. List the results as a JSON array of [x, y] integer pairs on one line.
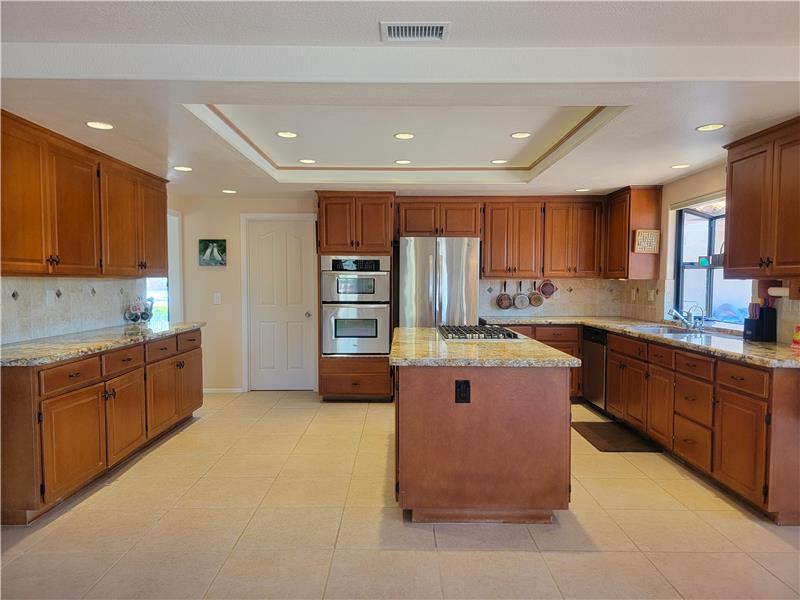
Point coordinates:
[[276, 495]]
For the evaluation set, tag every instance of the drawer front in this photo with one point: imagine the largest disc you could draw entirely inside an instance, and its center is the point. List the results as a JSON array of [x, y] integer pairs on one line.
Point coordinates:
[[356, 384], [743, 379], [189, 340], [694, 364], [627, 346], [161, 349], [694, 399], [557, 334], [525, 330], [72, 375], [692, 443], [122, 360], [661, 355], [342, 365]]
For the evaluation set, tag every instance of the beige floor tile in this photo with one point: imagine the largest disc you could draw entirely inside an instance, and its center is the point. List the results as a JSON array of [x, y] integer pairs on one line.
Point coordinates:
[[582, 531], [603, 465], [383, 528], [160, 575], [606, 575], [580, 445], [670, 531], [289, 492], [139, 494], [657, 465], [301, 413], [751, 532], [306, 466], [243, 410], [374, 464], [55, 575], [279, 426], [266, 397], [724, 575], [192, 441], [580, 499], [582, 413], [226, 492], [184, 528], [495, 574], [265, 444], [373, 427], [327, 444], [784, 565], [216, 426], [300, 527], [268, 573], [371, 491], [172, 465], [697, 495], [248, 465], [344, 428], [384, 574], [217, 401], [630, 493], [480, 536]]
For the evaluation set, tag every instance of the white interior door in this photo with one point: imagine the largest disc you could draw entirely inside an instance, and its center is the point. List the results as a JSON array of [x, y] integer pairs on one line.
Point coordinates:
[[282, 283]]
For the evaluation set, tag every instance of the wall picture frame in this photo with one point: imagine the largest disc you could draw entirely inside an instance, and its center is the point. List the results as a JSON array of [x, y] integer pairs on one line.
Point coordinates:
[[212, 253], [647, 241]]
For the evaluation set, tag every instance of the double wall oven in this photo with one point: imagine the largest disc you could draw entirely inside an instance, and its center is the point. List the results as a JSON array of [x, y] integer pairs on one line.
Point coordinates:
[[356, 313]]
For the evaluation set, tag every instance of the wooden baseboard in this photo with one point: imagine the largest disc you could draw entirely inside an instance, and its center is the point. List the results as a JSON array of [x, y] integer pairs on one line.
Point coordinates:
[[478, 515]]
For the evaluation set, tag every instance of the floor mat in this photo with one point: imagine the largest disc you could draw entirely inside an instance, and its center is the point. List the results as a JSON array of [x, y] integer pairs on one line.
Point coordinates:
[[613, 437]]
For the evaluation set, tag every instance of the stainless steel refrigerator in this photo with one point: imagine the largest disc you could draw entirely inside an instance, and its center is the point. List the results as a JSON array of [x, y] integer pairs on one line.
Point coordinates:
[[438, 281]]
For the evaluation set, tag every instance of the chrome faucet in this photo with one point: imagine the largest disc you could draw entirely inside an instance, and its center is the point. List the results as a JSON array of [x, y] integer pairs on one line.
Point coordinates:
[[679, 315], [690, 321]]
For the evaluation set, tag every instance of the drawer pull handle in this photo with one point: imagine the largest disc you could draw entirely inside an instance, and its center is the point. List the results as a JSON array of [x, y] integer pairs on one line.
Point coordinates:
[[690, 398], [74, 375], [691, 365], [688, 441], [191, 339], [658, 355], [737, 378], [164, 348], [127, 359]]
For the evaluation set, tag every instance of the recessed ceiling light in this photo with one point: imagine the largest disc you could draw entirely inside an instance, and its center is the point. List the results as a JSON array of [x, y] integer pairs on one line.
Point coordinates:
[[681, 166], [307, 161], [520, 135], [182, 169], [286, 134], [402, 161], [710, 127], [404, 136], [99, 125], [583, 190], [228, 191], [499, 161]]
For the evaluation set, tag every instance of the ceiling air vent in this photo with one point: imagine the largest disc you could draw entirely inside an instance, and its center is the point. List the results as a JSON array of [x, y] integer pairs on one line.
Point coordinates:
[[409, 31]]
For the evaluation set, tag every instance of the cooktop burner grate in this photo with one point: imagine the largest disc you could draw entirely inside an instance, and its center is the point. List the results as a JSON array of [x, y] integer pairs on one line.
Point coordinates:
[[476, 332]]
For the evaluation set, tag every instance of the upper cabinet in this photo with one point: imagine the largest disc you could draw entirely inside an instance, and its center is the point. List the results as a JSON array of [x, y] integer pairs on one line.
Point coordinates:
[[763, 204], [439, 217], [629, 210], [512, 241], [572, 239], [69, 210], [355, 223]]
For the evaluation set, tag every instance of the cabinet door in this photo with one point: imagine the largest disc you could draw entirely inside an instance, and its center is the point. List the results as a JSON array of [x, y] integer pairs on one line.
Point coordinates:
[[784, 243], [572, 349], [617, 242], [527, 255], [634, 383], [587, 221], [615, 401], [740, 430], [121, 220], [191, 382], [162, 395], [374, 224], [460, 219], [660, 398], [153, 253], [337, 224], [747, 212], [497, 240], [75, 204], [557, 240], [125, 415], [419, 219], [25, 219], [73, 440]]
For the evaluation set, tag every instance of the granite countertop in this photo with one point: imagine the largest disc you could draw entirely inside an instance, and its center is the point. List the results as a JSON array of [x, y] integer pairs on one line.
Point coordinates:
[[721, 345], [44, 351], [424, 347]]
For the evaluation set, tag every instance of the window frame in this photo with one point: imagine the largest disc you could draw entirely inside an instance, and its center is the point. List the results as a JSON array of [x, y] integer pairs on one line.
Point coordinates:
[[681, 264]]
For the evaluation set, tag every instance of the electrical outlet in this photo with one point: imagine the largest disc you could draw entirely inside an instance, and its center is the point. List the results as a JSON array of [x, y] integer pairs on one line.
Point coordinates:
[[651, 295], [217, 298]]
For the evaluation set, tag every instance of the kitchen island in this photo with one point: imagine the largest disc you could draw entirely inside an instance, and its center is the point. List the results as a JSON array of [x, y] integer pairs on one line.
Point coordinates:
[[482, 428]]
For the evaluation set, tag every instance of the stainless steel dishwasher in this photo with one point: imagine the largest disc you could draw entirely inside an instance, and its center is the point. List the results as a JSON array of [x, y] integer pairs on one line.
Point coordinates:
[[594, 366]]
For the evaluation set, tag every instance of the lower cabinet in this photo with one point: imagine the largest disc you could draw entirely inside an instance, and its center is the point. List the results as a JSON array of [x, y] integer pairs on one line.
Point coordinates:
[[125, 415], [162, 395], [660, 405], [634, 388], [573, 349], [692, 443], [190, 388], [615, 400], [73, 440], [355, 377]]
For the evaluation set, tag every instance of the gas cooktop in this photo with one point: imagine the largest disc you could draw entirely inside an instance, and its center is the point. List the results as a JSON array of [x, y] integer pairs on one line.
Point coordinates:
[[459, 333]]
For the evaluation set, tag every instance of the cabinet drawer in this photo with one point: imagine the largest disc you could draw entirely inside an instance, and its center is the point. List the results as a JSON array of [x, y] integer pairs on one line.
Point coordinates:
[[525, 330], [557, 334], [743, 379], [189, 340], [122, 360], [69, 376], [694, 399], [627, 346], [661, 355], [340, 365], [359, 384], [694, 364], [161, 349], [692, 443]]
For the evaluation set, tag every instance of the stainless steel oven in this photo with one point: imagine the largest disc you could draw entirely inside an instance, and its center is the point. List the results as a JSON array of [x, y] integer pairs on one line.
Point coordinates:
[[355, 279], [356, 328]]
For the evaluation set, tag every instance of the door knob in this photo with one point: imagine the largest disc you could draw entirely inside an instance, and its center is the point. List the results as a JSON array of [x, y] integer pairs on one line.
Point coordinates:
[[308, 315]]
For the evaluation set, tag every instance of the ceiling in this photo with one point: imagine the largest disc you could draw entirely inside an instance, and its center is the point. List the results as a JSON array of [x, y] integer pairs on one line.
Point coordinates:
[[177, 93]]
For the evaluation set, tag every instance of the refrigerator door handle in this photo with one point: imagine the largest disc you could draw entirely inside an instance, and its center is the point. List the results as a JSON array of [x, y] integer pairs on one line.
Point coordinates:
[[433, 296]]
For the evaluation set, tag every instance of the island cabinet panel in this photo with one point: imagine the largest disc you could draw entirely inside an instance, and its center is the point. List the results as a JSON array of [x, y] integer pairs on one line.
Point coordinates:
[[352, 222], [153, 228], [627, 211], [660, 388], [73, 441], [190, 385], [125, 415], [163, 385]]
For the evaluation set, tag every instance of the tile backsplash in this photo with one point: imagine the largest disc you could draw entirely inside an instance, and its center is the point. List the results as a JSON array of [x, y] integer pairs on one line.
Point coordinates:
[[34, 307]]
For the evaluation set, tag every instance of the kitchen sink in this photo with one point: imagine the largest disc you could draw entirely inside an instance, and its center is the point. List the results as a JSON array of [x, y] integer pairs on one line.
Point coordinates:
[[654, 329], [699, 338]]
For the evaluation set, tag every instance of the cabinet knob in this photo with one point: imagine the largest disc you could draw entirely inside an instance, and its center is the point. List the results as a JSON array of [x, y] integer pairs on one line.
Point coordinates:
[[74, 375]]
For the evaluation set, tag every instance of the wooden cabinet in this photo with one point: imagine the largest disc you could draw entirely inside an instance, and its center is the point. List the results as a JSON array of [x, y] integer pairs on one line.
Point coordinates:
[[628, 210], [459, 219], [572, 235], [162, 395], [418, 217], [573, 349], [125, 415], [190, 382], [497, 236], [153, 229], [121, 212], [692, 442], [634, 389], [73, 441], [763, 204], [660, 386], [355, 223], [512, 242], [615, 400], [567, 340], [355, 377]]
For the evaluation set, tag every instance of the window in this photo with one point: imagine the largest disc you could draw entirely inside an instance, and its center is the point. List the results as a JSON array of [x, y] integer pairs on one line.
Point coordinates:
[[166, 291], [158, 290], [699, 276]]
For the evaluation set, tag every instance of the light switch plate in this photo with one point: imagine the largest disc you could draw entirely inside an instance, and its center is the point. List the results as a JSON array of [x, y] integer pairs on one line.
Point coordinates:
[[217, 298], [651, 295]]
